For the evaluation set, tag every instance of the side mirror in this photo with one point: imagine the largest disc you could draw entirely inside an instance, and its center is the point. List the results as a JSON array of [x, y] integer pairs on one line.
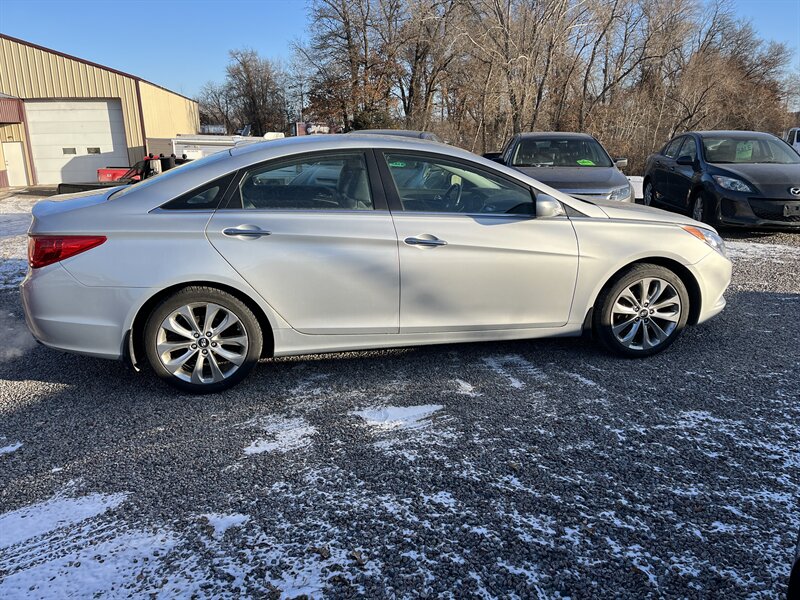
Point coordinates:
[[686, 161], [621, 163], [547, 206], [495, 156]]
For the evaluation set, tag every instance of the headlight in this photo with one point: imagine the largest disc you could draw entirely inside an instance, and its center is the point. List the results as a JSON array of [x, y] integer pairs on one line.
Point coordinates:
[[621, 194], [707, 236], [731, 183]]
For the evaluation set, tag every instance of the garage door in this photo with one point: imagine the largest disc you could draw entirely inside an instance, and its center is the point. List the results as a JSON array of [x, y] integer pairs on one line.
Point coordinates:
[[71, 139]]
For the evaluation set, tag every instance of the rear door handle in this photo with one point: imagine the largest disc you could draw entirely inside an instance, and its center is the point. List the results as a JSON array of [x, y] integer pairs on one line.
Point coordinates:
[[246, 231], [425, 240]]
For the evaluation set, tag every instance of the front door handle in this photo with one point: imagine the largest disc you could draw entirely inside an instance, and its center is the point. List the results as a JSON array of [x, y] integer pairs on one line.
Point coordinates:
[[425, 240], [246, 231]]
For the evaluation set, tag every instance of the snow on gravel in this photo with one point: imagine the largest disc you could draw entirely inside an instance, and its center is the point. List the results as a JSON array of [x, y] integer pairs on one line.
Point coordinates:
[[9, 448], [223, 522], [387, 418], [15, 218], [282, 435]]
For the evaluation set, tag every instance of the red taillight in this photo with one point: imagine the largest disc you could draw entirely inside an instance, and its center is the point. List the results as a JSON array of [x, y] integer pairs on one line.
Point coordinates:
[[45, 250]]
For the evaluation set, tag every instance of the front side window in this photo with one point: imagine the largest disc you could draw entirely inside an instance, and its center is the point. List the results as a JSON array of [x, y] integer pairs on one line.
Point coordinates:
[[437, 185], [671, 149], [689, 148], [560, 152], [322, 182]]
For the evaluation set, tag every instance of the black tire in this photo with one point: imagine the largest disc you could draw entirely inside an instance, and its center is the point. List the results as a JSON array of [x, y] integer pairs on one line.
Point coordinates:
[[245, 322], [648, 195], [704, 209], [604, 318]]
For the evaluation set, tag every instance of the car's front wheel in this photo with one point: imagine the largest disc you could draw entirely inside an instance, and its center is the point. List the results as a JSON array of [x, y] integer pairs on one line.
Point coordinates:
[[703, 210], [648, 194], [642, 312], [202, 340]]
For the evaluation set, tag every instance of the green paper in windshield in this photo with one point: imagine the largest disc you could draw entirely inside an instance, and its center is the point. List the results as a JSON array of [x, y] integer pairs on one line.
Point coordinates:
[[744, 151], [585, 162], [397, 164]]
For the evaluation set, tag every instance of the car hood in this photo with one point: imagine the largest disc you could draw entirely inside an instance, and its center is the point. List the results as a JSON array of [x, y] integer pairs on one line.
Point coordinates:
[[573, 179], [637, 212], [771, 180]]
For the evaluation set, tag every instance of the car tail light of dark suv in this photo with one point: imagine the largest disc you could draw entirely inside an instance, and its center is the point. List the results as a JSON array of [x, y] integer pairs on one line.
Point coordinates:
[[45, 250]]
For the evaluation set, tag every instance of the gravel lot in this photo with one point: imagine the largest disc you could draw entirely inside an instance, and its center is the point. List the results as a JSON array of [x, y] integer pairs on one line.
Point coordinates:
[[525, 469]]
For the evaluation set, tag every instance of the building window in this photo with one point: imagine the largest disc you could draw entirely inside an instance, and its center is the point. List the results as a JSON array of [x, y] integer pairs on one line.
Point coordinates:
[[68, 150], [93, 150]]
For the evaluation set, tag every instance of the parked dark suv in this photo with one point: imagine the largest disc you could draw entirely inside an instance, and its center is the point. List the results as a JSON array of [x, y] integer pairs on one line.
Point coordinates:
[[727, 178]]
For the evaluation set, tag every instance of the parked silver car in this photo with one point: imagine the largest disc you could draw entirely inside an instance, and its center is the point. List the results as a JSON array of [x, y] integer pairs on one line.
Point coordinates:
[[357, 242], [573, 163]]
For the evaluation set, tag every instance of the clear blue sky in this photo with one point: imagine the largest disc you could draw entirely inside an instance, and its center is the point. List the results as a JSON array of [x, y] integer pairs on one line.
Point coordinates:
[[181, 44]]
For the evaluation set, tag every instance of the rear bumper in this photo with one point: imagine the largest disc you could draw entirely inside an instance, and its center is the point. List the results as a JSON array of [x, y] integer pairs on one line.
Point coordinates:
[[713, 275], [758, 213], [66, 315]]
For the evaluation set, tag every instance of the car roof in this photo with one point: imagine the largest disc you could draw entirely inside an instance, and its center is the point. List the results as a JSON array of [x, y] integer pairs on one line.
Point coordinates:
[[324, 142], [550, 134], [402, 132], [730, 133]]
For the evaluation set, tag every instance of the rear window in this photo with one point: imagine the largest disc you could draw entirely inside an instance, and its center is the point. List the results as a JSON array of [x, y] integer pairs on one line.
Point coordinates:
[[188, 166]]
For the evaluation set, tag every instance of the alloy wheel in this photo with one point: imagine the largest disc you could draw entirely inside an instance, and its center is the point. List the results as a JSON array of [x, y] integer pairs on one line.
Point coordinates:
[[201, 343], [646, 313], [698, 209], [648, 194]]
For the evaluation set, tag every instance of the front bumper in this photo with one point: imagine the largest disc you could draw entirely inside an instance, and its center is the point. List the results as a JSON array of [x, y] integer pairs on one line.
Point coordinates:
[[63, 313], [713, 275], [758, 213]]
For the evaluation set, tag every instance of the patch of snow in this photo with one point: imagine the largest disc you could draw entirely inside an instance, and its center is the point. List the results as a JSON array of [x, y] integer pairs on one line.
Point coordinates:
[[444, 498], [466, 389], [283, 435], [10, 448], [756, 251], [222, 522], [388, 418], [46, 517], [511, 365], [584, 380]]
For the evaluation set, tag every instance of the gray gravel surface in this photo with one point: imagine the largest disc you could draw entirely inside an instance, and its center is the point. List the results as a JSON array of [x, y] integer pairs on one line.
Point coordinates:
[[523, 469]]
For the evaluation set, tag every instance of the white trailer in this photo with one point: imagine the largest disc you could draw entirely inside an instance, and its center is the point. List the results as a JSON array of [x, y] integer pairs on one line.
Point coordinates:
[[198, 146]]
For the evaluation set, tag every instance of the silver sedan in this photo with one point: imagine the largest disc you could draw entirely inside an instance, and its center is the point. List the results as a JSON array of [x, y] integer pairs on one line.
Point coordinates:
[[330, 243]]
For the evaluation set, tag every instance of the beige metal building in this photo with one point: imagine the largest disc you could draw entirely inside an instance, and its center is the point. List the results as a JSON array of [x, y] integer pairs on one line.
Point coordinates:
[[62, 118]]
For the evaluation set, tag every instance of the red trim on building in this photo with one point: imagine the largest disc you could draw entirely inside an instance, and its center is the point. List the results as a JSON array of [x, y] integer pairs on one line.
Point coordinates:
[[10, 110], [3, 179]]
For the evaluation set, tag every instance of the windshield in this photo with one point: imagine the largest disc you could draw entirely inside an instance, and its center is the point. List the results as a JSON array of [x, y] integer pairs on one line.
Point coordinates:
[[748, 150], [187, 166], [560, 152]]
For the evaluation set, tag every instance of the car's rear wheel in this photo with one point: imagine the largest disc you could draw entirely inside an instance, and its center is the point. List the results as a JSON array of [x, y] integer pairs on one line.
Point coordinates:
[[202, 340], [648, 194], [642, 312]]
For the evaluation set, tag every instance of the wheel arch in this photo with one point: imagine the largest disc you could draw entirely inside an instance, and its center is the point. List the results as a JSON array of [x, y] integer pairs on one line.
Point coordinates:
[[686, 276], [136, 346]]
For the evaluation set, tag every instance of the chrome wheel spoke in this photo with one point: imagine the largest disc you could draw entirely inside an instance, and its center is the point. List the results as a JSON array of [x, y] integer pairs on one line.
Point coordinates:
[[673, 316], [197, 372], [187, 313], [628, 338], [168, 347], [211, 312], [216, 372], [620, 327], [234, 357], [170, 324], [176, 364]]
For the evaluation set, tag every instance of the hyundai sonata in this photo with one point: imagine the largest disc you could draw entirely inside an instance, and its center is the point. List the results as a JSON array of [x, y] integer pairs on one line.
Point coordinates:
[[330, 243]]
